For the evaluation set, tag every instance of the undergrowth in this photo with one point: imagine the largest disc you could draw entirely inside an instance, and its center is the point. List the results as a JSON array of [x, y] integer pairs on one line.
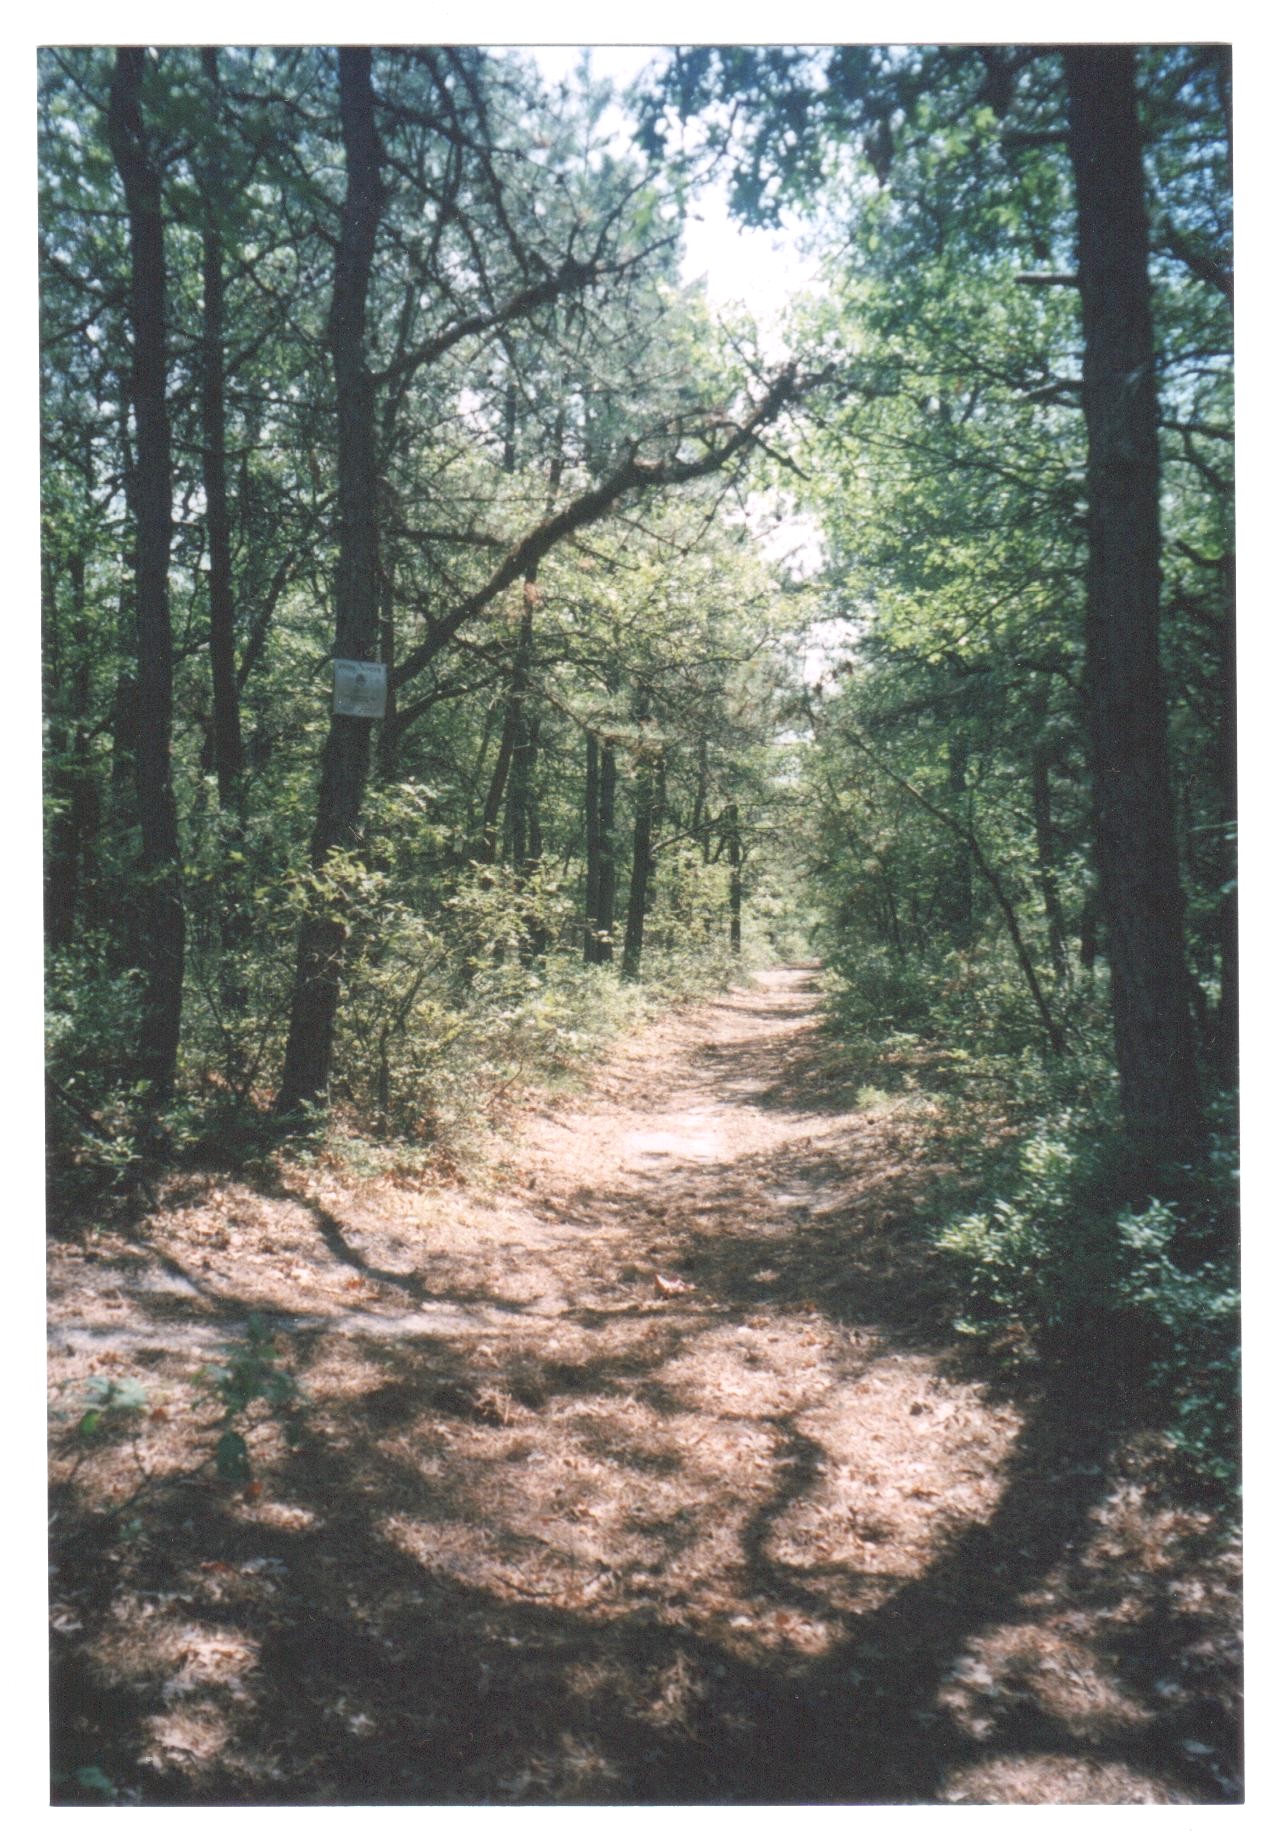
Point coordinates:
[[448, 1018], [1053, 1255]]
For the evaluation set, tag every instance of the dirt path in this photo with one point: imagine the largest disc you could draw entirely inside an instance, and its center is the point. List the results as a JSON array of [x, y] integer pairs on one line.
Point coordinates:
[[650, 1475]]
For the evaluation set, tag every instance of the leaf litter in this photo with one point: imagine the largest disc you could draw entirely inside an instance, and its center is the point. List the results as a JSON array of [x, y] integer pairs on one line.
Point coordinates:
[[643, 1467]]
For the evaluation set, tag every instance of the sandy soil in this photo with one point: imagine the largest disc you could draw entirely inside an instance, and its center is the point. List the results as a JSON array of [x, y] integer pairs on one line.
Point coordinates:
[[648, 1471]]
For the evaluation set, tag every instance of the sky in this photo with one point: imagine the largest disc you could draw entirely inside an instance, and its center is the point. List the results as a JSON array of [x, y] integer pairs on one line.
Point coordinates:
[[758, 269]]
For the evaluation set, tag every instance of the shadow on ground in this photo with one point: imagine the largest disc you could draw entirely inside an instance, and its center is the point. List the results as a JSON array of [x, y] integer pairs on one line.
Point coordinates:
[[755, 1537]]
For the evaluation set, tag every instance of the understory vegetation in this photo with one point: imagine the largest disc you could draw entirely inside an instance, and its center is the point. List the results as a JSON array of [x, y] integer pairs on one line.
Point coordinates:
[[1053, 1256], [445, 1025]]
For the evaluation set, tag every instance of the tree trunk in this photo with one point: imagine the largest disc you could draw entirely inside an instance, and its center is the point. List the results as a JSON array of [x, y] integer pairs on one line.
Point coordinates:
[[486, 848], [121, 896], [605, 857], [642, 864], [520, 750], [958, 892], [735, 878], [592, 843], [322, 938], [226, 708], [1042, 808], [658, 821], [160, 870], [70, 845], [1141, 894], [225, 700], [535, 831], [1225, 1028]]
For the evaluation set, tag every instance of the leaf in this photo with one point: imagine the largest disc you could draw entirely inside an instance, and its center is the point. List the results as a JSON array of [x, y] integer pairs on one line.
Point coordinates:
[[90, 1777], [232, 1459], [90, 1423]]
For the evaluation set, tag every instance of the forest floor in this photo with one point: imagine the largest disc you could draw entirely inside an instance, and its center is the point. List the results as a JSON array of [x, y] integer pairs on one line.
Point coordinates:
[[642, 1468]]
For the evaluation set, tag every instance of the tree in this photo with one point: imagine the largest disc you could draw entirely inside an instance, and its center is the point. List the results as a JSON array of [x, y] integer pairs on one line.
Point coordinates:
[[309, 1047], [160, 870], [1127, 707]]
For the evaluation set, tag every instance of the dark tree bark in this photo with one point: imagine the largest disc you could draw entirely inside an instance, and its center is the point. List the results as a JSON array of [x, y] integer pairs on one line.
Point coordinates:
[[1137, 859], [1042, 810], [734, 839], [658, 821], [160, 869], [72, 784], [486, 849], [958, 901], [510, 461], [322, 938], [391, 732], [225, 701], [642, 861], [518, 729], [535, 831], [515, 762], [1225, 1026], [225, 698], [605, 856], [592, 843]]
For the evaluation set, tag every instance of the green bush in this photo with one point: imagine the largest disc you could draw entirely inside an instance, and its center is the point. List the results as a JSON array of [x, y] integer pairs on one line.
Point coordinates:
[[1060, 1258], [1045, 1254], [248, 1373], [1198, 1371]]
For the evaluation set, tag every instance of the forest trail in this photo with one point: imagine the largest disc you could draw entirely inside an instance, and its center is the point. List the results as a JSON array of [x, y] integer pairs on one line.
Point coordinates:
[[650, 1473]]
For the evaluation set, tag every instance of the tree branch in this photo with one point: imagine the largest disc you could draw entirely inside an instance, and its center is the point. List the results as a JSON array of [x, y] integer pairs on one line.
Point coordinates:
[[630, 476]]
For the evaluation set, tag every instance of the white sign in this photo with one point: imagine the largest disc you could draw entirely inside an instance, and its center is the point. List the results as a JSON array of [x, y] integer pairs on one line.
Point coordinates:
[[359, 688]]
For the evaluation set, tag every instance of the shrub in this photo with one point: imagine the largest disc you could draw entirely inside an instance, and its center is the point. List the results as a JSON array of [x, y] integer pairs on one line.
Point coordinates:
[[1045, 1255], [1198, 1371], [1059, 1257]]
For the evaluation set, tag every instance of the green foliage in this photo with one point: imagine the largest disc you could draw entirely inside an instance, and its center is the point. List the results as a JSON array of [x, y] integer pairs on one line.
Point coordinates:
[[110, 1403], [1198, 1371], [87, 1783], [90, 1006], [459, 921], [446, 1017], [1149, 1292], [1042, 1254], [248, 1374]]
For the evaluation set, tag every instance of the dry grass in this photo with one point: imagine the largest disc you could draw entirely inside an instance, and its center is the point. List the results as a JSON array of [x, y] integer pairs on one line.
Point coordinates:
[[644, 1472]]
